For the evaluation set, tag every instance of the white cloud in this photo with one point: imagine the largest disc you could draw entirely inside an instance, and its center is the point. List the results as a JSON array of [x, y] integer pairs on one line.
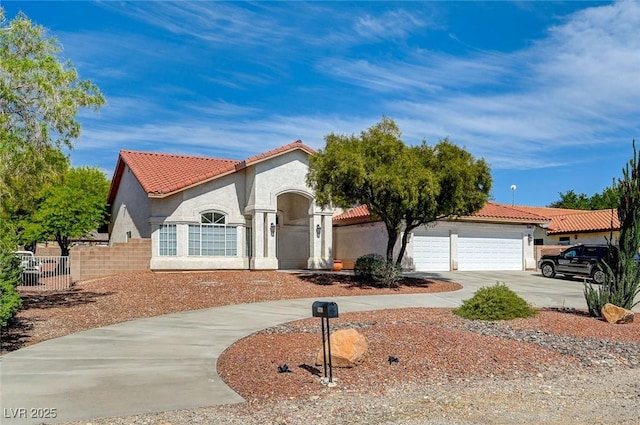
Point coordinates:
[[575, 88], [393, 24], [572, 89]]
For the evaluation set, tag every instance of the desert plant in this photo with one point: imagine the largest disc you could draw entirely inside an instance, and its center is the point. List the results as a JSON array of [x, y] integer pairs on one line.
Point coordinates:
[[376, 270], [496, 302], [621, 284]]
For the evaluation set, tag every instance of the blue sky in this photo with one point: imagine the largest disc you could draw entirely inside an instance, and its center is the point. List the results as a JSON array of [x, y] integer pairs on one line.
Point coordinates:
[[547, 92]]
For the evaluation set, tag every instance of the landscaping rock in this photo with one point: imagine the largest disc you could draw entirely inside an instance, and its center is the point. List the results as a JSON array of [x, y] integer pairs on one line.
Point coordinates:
[[348, 348], [614, 314]]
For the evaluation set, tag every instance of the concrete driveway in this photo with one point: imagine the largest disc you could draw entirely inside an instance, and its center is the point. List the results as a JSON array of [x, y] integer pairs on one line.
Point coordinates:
[[169, 362], [530, 285]]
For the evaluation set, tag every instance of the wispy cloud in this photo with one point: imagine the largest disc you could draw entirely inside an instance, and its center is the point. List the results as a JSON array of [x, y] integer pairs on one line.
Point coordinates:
[[392, 24], [569, 89], [222, 23], [572, 89]]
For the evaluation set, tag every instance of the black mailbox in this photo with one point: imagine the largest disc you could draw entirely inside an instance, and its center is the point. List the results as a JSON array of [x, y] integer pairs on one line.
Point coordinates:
[[324, 309]]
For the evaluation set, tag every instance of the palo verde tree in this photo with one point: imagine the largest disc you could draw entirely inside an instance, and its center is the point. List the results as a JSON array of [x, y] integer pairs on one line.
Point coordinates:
[[401, 185], [71, 209], [621, 284], [40, 97]]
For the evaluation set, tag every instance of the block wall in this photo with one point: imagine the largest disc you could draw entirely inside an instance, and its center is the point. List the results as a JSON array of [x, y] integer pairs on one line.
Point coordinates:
[[90, 262]]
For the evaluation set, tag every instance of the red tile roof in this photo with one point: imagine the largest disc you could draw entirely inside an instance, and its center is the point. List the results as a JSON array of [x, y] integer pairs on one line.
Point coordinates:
[[490, 211], [493, 210], [548, 212], [563, 220], [586, 221], [356, 213], [162, 174]]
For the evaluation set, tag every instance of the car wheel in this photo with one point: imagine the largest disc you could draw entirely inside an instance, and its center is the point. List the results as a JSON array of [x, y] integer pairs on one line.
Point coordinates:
[[548, 270], [598, 276]]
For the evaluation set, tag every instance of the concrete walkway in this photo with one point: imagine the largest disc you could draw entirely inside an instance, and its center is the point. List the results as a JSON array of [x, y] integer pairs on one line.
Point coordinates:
[[169, 362]]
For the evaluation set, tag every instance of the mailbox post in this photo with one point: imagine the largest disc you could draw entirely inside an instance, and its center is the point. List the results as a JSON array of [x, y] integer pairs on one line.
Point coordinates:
[[325, 310]]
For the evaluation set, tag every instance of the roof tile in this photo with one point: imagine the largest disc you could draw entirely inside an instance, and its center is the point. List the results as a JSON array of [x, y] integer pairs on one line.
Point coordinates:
[[586, 221], [160, 173]]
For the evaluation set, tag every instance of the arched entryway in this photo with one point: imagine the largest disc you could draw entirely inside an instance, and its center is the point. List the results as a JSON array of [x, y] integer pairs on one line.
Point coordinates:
[[293, 231]]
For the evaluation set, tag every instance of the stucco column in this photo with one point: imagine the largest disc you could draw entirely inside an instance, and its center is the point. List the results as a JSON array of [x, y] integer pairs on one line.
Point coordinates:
[[319, 244], [270, 240], [327, 241], [453, 246], [264, 244]]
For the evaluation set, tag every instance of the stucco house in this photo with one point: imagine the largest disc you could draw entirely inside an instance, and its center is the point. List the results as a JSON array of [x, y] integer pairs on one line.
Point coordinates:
[[202, 213], [210, 213]]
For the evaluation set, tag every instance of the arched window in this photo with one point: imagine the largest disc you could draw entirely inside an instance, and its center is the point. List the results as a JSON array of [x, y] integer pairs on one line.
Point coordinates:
[[213, 218], [213, 237]]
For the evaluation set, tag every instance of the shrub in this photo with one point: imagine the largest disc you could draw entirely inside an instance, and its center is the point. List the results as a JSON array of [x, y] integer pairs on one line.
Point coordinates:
[[10, 300], [376, 270], [496, 302]]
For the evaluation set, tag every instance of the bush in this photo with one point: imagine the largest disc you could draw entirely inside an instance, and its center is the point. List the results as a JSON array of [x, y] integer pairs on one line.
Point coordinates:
[[10, 300], [376, 270], [496, 302]]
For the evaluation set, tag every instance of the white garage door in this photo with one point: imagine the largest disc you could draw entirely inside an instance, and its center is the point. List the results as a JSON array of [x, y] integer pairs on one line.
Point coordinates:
[[490, 252], [431, 253]]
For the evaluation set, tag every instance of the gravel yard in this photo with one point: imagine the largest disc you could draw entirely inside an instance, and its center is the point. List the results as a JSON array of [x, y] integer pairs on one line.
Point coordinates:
[[558, 367]]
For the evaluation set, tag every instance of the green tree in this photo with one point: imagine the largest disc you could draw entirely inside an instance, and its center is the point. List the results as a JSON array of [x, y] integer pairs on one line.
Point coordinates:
[[401, 185], [608, 199], [40, 97], [10, 300], [621, 285], [72, 209], [38, 174]]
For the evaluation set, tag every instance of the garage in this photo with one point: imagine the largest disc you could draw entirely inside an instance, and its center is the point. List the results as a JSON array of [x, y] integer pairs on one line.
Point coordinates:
[[490, 252], [431, 253]]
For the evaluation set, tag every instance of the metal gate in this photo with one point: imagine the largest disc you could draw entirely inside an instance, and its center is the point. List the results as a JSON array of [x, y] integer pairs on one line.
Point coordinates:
[[45, 273]]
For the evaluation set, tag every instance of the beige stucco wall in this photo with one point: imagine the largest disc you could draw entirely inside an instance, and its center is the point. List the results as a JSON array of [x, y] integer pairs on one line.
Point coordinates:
[[351, 242], [130, 210]]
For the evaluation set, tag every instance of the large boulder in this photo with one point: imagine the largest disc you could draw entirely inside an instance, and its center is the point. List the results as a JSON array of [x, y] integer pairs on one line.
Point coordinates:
[[614, 314], [348, 349]]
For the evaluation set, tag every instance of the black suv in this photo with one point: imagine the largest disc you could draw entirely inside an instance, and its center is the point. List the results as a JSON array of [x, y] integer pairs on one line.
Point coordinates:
[[580, 260]]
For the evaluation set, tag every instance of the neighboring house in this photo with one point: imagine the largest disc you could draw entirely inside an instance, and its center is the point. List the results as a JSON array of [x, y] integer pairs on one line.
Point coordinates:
[[498, 237], [570, 227], [209, 213]]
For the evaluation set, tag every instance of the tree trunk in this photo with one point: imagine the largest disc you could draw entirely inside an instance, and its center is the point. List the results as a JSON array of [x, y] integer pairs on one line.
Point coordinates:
[[403, 246], [63, 243], [391, 242], [31, 246]]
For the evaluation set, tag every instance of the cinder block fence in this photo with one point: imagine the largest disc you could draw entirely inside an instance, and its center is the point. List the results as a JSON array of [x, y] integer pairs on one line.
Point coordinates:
[[90, 262]]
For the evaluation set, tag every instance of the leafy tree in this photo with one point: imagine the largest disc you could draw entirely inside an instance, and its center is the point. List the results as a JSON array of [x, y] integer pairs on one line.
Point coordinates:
[[401, 185], [608, 199], [622, 273], [40, 173], [71, 209], [39, 99]]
